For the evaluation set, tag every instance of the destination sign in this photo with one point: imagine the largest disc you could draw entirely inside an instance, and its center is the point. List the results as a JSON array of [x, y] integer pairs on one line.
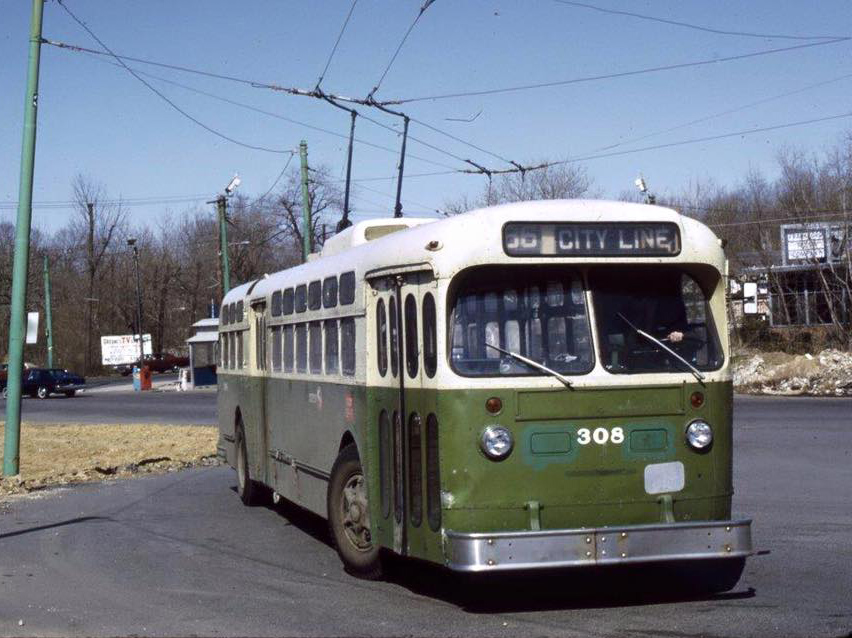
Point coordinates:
[[591, 239]]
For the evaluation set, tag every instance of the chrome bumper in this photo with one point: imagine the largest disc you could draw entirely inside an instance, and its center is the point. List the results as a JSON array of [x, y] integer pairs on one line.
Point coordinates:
[[623, 545]]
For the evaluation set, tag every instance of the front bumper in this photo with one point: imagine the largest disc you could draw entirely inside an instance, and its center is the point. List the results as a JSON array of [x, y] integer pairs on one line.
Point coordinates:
[[630, 544]]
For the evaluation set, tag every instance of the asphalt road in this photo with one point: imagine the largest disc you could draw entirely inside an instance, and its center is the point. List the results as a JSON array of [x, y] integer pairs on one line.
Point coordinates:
[[179, 555], [115, 402]]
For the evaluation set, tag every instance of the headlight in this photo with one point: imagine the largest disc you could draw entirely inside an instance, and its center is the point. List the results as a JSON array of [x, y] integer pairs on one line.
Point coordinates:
[[496, 442], [699, 435]]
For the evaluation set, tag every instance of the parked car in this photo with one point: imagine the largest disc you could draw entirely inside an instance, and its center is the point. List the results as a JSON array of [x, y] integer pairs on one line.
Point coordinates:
[[157, 363], [42, 382]]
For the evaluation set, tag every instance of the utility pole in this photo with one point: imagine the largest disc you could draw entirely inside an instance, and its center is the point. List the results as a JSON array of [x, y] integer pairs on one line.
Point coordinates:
[[132, 243], [48, 316], [17, 315], [307, 235], [224, 264]]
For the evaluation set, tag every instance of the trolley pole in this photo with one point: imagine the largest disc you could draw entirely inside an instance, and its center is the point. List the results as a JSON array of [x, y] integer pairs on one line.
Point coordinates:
[[307, 243], [17, 315], [48, 315], [222, 208]]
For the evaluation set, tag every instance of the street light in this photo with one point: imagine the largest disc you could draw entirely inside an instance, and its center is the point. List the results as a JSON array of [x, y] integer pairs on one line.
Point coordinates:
[[131, 241], [221, 210]]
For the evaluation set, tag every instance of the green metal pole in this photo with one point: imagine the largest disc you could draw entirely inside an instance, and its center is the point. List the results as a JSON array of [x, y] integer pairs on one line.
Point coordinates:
[[48, 315], [221, 204], [307, 235], [17, 315]]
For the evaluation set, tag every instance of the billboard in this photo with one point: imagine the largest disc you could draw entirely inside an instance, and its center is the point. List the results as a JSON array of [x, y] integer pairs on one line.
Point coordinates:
[[817, 242], [123, 349]]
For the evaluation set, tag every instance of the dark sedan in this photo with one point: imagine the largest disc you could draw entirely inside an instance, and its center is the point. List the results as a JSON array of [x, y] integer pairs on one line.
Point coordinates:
[[42, 382]]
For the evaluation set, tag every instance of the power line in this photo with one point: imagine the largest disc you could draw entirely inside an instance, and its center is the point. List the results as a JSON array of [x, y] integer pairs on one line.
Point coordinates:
[[775, 36], [162, 96], [277, 179], [610, 76], [337, 42], [423, 8]]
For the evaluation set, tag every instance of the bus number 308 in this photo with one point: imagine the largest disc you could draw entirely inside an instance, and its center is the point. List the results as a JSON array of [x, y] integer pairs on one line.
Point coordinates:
[[600, 436]]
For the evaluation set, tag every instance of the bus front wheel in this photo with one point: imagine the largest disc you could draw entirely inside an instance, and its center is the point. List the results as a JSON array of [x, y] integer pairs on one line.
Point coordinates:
[[349, 517], [247, 489]]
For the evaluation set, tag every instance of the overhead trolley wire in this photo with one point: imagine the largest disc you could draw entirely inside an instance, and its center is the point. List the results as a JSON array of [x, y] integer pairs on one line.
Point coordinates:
[[687, 25], [610, 76], [336, 43], [423, 8], [162, 96]]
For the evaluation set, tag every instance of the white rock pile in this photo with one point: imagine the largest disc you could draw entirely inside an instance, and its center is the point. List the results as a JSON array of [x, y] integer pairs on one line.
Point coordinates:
[[827, 374]]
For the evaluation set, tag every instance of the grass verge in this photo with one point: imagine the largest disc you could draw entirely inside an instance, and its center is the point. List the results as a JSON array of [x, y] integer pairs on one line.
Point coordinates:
[[54, 455]]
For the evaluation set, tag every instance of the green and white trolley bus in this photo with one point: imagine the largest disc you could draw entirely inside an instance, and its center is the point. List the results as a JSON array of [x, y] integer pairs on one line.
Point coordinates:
[[528, 386]]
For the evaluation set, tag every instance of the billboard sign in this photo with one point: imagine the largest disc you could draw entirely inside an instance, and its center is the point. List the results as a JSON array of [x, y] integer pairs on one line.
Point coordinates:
[[817, 242], [123, 349]]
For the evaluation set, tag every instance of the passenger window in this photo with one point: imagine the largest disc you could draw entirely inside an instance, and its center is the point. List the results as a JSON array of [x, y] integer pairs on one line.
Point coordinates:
[[411, 353], [347, 346], [430, 336], [382, 337], [239, 311], [223, 315], [240, 359], [394, 341], [288, 348], [302, 347], [276, 349], [232, 313], [223, 349], [232, 346], [287, 302], [314, 295], [316, 347], [301, 298], [347, 288], [331, 346], [276, 304], [329, 292]]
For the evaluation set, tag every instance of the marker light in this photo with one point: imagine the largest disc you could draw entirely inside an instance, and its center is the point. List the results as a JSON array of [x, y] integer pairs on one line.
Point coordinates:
[[494, 405], [496, 442], [699, 435], [696, 399]]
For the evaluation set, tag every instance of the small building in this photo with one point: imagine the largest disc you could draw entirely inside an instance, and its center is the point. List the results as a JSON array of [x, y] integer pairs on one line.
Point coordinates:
[[202, 352]]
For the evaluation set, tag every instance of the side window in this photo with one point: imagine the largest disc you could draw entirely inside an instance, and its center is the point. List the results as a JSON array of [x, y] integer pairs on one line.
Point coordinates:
[[232, 346], [223, 349], [223, 315], [347, 288], [276, 304], [301, 298], [315, 295], [276, 349], [411, 353], [316, 347], [331, 346], [382, 337], [232, 313], [347, 346], [288, 348], [302, 347], [329, 292], [239, 311], [240, 337], [430, 336], [287, 302], [394, 340]]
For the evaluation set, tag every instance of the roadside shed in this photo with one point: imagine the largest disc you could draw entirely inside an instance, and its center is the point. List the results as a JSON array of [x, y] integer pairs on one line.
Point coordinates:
[[202, 352]]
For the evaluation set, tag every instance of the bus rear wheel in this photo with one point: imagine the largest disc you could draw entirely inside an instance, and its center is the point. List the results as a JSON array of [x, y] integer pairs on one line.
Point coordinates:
[[349, 517], [247, 489]]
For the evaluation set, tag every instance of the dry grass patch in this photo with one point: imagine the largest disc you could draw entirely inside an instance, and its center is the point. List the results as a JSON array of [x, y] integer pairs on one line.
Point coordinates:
[[62, 454]]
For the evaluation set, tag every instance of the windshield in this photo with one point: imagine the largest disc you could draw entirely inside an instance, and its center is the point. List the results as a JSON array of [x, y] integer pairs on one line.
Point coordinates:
[[538, 313], [666, 303]]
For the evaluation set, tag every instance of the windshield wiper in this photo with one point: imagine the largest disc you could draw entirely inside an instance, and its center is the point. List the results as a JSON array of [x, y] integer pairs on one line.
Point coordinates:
[[532, 364], [642, 333]]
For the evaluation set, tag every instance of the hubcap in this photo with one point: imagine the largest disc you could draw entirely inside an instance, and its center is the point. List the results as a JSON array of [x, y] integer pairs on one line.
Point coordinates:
[[356, 519]]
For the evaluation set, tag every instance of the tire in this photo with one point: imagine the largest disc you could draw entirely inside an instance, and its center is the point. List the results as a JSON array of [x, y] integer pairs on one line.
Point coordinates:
[[247, 489], [70, 393], [42, 392], [349, 517]]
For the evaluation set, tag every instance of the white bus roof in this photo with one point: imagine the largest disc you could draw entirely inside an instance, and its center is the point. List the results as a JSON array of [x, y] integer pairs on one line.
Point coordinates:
[[476, 238]]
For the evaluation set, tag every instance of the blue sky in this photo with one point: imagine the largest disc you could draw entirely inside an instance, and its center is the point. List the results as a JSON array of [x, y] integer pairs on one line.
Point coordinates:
[[96, 119]]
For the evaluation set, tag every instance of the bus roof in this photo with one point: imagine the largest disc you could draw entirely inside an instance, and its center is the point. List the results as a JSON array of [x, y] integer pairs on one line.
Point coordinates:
[[449, 245]]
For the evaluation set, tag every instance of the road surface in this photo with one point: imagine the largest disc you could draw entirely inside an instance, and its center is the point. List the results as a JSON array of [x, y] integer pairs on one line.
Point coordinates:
[[179, 555]]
